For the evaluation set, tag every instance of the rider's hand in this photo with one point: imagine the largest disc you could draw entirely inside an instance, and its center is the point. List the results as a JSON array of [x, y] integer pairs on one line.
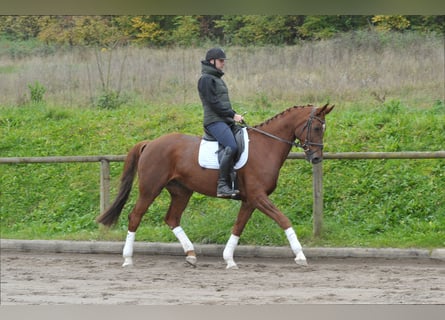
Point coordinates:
[[238, 118]]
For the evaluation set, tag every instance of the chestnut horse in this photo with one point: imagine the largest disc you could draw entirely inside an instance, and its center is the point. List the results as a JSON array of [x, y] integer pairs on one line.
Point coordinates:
[[171, 162]]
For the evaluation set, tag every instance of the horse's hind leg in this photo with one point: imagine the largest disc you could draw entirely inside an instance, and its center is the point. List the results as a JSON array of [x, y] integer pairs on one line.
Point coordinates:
[[180, 197], [134, 219]]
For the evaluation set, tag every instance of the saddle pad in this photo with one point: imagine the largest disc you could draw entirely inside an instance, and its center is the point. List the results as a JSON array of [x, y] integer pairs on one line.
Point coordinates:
[[208, 157]]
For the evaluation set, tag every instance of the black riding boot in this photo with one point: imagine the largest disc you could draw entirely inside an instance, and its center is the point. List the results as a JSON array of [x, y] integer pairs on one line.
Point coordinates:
[[224, 188]]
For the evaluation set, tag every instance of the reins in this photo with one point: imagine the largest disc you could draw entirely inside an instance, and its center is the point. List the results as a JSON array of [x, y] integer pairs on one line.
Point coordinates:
[[292, 143]]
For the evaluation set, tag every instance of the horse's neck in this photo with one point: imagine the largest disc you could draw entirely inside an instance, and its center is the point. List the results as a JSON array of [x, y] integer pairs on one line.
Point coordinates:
[[285, 125]]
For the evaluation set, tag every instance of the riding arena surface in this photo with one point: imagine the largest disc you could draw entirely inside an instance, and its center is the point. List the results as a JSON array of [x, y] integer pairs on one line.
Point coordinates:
[[35, 278]]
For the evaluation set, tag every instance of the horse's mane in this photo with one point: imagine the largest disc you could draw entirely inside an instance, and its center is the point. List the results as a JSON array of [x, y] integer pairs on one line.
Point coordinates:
[[279, 115]]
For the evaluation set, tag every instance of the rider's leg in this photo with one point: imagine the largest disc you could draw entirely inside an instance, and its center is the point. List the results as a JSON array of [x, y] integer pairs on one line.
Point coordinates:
[[222, 132], [224, 186]]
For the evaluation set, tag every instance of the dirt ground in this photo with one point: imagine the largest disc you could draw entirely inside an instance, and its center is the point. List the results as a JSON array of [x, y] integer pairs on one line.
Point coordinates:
[[48, 279]]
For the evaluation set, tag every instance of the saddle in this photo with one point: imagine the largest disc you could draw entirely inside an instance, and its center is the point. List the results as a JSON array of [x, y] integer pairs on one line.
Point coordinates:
[[210, 151]]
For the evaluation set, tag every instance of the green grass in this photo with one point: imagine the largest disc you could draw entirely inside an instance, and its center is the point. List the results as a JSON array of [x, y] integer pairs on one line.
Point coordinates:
[[8, 69], [367, 203]]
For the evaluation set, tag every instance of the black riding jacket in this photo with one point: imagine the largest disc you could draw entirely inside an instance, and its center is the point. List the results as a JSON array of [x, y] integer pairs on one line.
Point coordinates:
[[214, 95]]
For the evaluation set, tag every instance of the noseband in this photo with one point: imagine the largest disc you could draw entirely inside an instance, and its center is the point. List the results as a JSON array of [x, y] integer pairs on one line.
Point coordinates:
[[307, 141]]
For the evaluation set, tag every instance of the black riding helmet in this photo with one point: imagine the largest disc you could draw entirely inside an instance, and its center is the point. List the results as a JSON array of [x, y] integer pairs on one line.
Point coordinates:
[[215, 53]]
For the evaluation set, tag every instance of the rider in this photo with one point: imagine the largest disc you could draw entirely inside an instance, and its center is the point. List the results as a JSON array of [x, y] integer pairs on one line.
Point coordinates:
[[219, 115]]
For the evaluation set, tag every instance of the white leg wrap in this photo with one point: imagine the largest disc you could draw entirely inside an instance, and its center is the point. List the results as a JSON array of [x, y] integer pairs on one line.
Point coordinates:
[[129, 243], [128, 249], [295, 245], [183, 239], [293, 241], [229, 250]]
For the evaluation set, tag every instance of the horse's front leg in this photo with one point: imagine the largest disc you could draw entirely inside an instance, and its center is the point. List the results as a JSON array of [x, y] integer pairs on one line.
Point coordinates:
[[243, 216], [229, 251], [267, 207], [180, 197], [187, 245], [295, 245]]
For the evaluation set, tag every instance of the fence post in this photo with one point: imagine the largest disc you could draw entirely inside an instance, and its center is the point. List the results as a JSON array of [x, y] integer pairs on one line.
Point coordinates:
[[104, 184], [317, 209]]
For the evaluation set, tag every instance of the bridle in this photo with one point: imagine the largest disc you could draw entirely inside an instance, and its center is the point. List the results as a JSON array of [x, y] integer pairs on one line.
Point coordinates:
[[307, 141]]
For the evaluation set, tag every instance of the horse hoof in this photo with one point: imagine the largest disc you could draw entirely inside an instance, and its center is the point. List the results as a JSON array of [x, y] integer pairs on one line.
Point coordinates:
[[191, 260], [301, 262], [301, 259], [128, 262], [231, 265]]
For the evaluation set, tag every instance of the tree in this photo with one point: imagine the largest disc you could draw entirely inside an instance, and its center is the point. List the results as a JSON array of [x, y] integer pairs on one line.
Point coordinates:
[[209, 29], [187, 31], [161, 30], [147, 31], [255, 29], [80, 30], [261, 30], [324, 27], [229, 26], [427, 23], [19, 27], [391, 23]]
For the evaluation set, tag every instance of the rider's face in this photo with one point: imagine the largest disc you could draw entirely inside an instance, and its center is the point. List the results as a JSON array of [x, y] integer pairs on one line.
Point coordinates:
[[219, 63]]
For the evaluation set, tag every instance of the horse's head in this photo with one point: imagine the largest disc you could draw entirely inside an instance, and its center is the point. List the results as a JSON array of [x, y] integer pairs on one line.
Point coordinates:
[[311, 136]]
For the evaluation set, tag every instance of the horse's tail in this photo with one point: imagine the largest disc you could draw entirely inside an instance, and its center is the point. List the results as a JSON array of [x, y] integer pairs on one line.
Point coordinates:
[[111, 215]]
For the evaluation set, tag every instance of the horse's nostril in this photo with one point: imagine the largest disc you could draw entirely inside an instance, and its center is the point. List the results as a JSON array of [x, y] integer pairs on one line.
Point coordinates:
[[316, 160]]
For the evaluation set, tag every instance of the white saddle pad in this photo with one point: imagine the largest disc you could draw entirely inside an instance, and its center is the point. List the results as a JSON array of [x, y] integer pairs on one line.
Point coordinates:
[[208, 157]]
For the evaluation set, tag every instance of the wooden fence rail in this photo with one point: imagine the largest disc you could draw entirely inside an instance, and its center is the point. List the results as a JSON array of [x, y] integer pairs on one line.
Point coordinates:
[[317, 171]]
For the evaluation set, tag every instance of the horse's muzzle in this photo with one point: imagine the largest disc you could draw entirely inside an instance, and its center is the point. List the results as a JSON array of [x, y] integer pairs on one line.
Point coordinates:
[[313, 151], [314, 157], [316, 160]]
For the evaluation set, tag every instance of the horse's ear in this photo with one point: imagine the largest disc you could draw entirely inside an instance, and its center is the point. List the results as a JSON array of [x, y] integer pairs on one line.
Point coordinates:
[[325, 109], [329, 109]]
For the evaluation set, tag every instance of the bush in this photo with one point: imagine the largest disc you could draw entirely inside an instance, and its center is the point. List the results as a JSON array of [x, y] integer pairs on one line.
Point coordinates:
[[110, 99], [20, 49], [37, 91]]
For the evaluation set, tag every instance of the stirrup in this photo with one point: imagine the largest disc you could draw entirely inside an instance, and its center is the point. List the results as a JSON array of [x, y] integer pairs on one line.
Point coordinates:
[[232, 194], [226, 192]]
